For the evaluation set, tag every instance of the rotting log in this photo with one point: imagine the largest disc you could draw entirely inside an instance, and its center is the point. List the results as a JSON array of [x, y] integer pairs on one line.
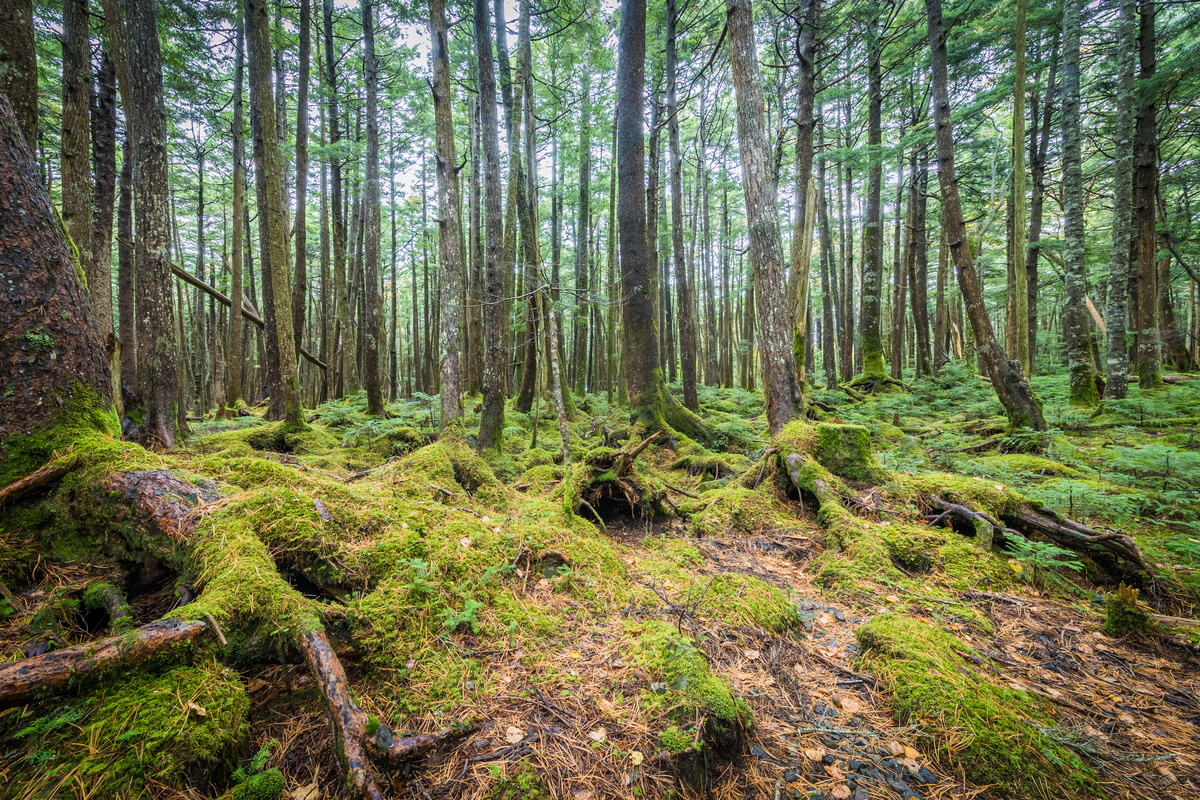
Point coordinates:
[[48, 474], [21, 680]]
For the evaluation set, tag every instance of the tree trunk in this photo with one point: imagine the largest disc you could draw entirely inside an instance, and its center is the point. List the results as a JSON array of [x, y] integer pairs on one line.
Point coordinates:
[[55, 367], [236, 345], [802, 227], [1017, 319], [449, 234], [1149, 369], [784, 399], [104, 156], [829, 288], [687, 324], [372, 300], [284, 383], [343, 349], [159, 382], [18, 66], [872, 259], [919, 264], [76, 129], [582, 233], [300, 283], [1076, 333], [491, 422], [1011, 388], [1037, 170]]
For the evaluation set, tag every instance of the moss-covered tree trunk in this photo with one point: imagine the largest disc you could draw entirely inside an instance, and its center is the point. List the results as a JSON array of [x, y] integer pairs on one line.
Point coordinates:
[[54, 375], [1075, 316], [1117, 348], [372, 315], [1019, 403], [781, 386], [687, 324], [872, 285], [1017, 338], [18, 65]]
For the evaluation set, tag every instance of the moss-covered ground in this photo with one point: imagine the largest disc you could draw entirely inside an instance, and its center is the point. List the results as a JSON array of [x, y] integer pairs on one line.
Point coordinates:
[[747, 618]]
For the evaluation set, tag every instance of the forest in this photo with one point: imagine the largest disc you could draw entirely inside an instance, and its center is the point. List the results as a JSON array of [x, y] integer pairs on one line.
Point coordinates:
[[531, 400]]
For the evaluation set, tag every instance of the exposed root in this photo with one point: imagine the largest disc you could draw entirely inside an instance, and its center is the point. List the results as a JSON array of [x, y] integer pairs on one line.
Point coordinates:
[[20, 680], [48, 474]]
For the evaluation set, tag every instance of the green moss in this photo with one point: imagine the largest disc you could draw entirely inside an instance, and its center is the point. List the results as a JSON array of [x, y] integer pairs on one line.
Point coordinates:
[[82, 422], [933, 685], [735, 509], [1020, 464], [744, 599], [677, 741], [184, 725], [845, 450], [692, 685], [1122, 614], [523, 784], [268, 785]]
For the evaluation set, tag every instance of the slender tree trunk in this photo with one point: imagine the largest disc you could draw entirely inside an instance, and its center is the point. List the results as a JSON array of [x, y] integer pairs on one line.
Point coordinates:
[[582, 303], [343, 349], [236, 346], [1014, 393], [687, 324], [1075, 315], [76, 133], [872, 285], [919, 265], [491, 421], [902, 236], [1017, 319], [1037, 169], [449, 235], [1148, 365], [829, 288], [104, 157], [300, 283], [780, 381], [372, 301], [475, 292], [163, 419], [284, 385], [802, 227]]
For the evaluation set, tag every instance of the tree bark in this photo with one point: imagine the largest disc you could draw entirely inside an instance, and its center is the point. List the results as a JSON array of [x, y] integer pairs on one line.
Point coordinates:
[[1017, 319], [372, 299], [104, 158], [1149, 368], [343, 353], [491, 421], [582, 306], [449, 233], [784, 399], [919, 263], [802, 227], [1011, 388], [872, 284], [18, 66], [159, 381], [236, 344], [687, 324], [284, 384], [1076, 333], [300, 282], [76, 133], [55, 370]]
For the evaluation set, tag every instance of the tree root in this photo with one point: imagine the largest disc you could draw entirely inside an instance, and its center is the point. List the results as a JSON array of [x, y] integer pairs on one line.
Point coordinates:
[[1077, 536], [869, 384], [614, 476], [48, 474], [21, 680], [358, 734]]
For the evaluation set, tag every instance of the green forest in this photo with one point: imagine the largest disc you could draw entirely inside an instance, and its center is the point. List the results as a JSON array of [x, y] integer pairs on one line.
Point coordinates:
[[532, 400]]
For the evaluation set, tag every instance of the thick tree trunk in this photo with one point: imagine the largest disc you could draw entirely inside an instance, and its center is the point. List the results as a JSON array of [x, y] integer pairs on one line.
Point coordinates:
[[1012, 389], [284, 384], [55, 370], [1037, 170], [372, 298], [1149, 368], [159, 381], [491, 422], [1076, 333], [449, 233], [780, 381]]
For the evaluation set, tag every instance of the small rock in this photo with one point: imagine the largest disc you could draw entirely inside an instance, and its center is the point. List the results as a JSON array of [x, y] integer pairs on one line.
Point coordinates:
[[790, 777], [758, 752], [808, 625], [901, 788], [861, 794], [851, 648], [831, 740], [922, 776], [829, 758], [658, 687], [854, 766], [860, 742], [839, 616]]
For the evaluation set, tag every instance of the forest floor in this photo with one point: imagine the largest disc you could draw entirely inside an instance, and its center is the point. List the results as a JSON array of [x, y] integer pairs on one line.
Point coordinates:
[[718, 631]]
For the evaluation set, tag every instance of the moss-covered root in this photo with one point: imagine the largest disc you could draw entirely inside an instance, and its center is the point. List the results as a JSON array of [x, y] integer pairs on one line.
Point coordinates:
[[22, 680], [358, 734], [932, 684]]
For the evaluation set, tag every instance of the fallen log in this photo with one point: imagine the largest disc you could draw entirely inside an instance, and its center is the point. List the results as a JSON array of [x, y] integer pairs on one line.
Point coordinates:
[[48, 474], [21, 680]]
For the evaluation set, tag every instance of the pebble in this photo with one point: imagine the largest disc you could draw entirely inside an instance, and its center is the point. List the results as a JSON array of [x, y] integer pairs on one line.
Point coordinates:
[[901, 788], [861, 794], [829, 758], [790, 777], [839, 616], [921, 776], [854, 766], [757, 751]]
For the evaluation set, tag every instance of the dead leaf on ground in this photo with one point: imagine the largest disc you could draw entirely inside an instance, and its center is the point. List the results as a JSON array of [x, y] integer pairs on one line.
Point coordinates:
[[513, 734]]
